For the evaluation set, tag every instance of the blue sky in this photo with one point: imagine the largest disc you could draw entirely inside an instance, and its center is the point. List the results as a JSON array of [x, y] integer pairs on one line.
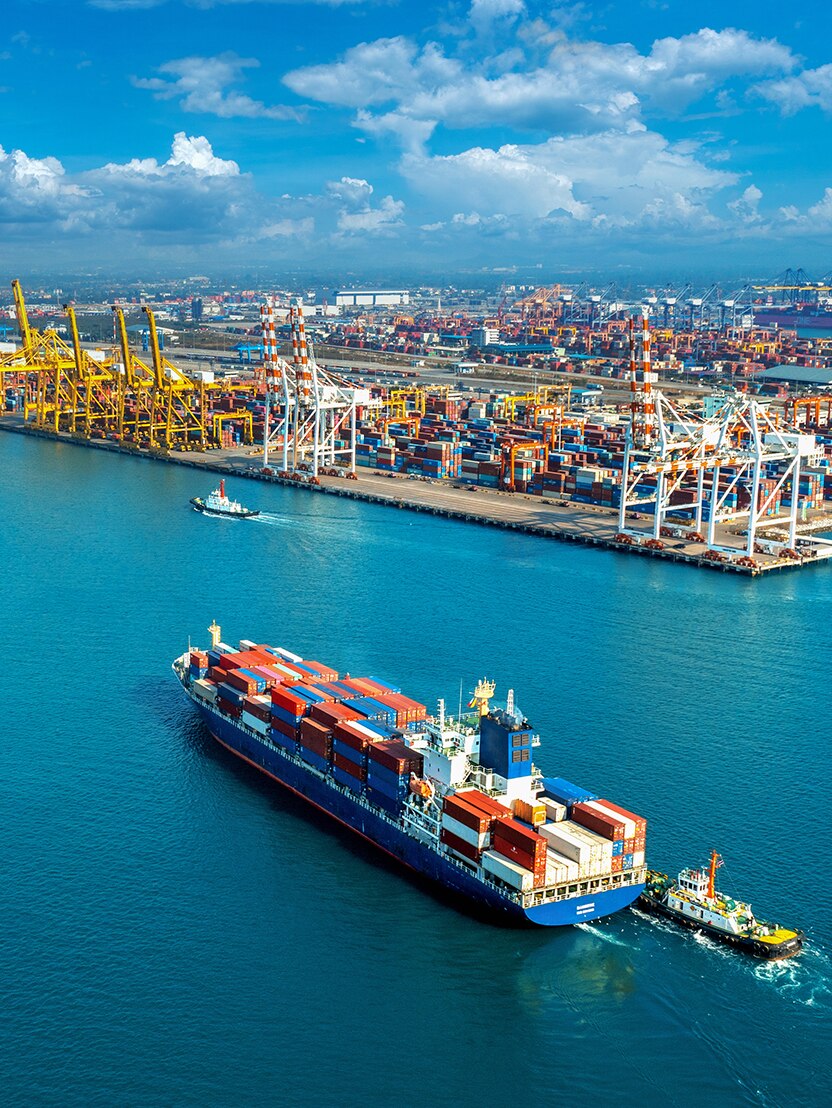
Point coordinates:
[[374, 134]]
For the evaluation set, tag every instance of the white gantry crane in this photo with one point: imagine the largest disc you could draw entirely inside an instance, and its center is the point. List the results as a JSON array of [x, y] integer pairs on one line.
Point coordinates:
[[316, 410], [667, 450]]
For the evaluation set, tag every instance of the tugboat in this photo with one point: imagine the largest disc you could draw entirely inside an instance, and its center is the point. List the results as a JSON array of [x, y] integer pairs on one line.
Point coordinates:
[[218, 504], [693, 901]]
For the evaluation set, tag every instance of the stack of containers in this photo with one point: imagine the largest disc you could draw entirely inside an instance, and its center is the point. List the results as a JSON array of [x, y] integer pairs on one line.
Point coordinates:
[[570, 840], [198, 665], [349, 754], [287, 710], [626, 831], [565, 793], [373, 709], [256, 713], [521, 845], [630, 830], [390, 763], [315, 744], [465, 828]]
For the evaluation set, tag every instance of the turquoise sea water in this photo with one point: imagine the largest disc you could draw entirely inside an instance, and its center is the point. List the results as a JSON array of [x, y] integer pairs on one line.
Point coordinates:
[[179, 931]]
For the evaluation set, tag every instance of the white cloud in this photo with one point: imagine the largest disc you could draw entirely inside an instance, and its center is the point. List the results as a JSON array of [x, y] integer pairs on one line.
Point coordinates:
[[615, 179], [356, 213], [202, 85], [387, 70], [486, 15], [138, 5], [745, 207], [577, 87], [810, 89]]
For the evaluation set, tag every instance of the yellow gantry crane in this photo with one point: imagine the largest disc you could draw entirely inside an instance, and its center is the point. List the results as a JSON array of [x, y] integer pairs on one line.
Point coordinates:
[[70, 389]]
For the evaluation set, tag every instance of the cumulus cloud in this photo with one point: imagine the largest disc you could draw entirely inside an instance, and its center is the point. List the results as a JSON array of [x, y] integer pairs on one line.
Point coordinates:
[[810, 89], [577, 87], [746, 206], [202, 85], [615, 179], [485, 15], [356, 212]]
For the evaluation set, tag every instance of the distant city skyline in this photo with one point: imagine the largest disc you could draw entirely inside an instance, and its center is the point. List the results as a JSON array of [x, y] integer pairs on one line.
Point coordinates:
[[491, 137]]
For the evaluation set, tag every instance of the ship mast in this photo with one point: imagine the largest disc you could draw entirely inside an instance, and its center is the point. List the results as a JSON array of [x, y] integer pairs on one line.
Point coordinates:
[[715, 861]]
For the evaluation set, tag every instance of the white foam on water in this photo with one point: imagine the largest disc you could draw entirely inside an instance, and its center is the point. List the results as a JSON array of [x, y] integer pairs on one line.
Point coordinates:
[[603, 934]]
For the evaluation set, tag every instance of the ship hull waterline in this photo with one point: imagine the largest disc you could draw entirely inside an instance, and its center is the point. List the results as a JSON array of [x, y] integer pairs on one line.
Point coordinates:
[[380, 832]]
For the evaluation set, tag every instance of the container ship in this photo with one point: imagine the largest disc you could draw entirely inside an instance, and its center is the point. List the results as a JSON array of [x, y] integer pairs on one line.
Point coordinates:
[[459, 801]]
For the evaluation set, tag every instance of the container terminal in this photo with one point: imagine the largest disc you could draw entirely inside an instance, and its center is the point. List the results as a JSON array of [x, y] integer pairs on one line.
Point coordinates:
[[457, 800], [734, 481]]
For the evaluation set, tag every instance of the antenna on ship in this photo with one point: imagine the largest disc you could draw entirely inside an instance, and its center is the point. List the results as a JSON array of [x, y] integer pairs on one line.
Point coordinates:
[[216, 634], [441, 706]]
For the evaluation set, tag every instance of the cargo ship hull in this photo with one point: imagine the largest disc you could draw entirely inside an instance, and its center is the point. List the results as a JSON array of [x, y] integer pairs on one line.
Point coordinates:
[[388, 835]]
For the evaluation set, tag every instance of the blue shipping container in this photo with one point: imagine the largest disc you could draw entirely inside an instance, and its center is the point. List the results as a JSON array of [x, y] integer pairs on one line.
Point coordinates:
[[343, 778], [357, 757], [284, 716], [283, 740], [389, 804], [558, 788], [314, 759], [617, 848]]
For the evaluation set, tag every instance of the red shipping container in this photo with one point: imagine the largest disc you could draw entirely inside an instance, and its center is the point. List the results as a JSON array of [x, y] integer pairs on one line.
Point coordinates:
[[229, 708], [466, 849], [358, 772], [239, 680], [639, 821], [351, 736], [487, 804], [287, 729], [284, 699], [397, 756], [518, 833], [597, 822], [468, 815], [216, 675], [332, 714], [257, 709], [535, 865], [617, 864], [326, 673], [199, 658], [361, 687], [314, 736]]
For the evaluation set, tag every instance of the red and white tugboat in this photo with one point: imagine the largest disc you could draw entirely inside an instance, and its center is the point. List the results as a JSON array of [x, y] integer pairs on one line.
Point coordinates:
[[218, 504]]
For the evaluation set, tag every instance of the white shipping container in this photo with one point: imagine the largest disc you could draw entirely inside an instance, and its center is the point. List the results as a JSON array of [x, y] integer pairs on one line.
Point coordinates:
[[205, 690], [555, 812], [289, 656], [510, 872], [247, 644], [557, 836], [638, 859], [629, 825], [467, 834], [600, 847], [562, 864], [258, 725]]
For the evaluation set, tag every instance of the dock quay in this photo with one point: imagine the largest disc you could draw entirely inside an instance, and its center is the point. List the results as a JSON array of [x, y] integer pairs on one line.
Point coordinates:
[[591, 525]]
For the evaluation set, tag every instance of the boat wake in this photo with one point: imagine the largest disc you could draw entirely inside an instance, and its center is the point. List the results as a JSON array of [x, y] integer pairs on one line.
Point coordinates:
[[806, 979], [603, 934]]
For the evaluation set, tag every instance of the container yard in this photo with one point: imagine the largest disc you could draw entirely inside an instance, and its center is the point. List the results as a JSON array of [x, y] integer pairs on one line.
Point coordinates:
[[459, 801], [730, 480]]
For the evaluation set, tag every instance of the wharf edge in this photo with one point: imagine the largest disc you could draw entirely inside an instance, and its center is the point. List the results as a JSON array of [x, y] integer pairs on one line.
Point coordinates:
[[556, 530]]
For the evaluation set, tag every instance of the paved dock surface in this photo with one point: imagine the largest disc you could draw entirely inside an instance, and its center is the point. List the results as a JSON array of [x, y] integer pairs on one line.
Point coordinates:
[[584, 523]]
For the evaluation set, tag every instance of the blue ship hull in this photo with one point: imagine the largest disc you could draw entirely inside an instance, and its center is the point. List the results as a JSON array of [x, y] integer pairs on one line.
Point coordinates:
[[386, 834]]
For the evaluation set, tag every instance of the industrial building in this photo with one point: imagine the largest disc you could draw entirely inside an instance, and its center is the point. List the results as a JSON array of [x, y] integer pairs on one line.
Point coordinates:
[[372, 298]]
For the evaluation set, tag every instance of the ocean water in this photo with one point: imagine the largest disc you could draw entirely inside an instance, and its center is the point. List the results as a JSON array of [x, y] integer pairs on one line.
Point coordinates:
[[179, 931]]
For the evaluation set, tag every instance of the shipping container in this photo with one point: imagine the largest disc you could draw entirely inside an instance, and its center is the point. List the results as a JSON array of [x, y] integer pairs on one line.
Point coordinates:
[[558, 788], [517, 877], [480, 840], [460, 846], [347, 765], [611, 827]]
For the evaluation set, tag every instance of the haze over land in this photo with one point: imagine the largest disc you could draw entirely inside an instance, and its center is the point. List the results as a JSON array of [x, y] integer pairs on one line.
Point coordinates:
[[383, 139]]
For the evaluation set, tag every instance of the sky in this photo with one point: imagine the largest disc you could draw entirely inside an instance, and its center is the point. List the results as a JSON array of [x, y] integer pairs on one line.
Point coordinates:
[[382, 135]]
